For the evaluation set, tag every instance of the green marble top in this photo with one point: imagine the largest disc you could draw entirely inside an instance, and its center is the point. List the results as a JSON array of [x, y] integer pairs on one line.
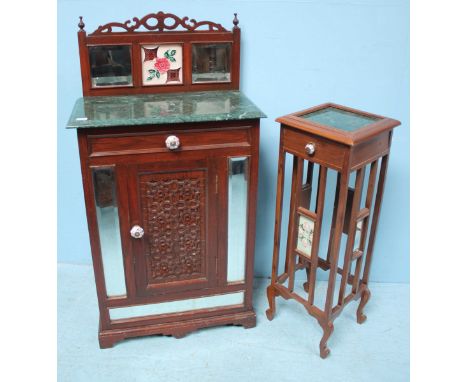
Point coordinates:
[[340, 119], [150, 109]]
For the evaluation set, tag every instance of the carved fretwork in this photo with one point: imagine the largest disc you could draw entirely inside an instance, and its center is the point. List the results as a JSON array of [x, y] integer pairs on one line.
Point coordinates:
[[157, 22], [174, 215]]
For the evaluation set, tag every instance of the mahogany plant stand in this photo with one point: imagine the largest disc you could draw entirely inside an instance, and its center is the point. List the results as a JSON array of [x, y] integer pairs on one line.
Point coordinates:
[[354, 144]]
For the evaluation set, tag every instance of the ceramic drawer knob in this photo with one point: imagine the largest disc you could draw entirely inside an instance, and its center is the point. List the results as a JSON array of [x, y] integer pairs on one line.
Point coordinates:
[[310, 148], [172, 142], [137, 232]]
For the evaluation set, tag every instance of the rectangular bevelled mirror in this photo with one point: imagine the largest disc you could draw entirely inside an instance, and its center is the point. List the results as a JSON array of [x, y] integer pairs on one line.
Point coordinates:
[[178, 306], [237, 217], [107, 215], [110, 65], [211, 62]]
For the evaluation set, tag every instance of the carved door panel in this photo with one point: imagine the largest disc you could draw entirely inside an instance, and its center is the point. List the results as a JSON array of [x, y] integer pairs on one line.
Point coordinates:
[[175, 203]]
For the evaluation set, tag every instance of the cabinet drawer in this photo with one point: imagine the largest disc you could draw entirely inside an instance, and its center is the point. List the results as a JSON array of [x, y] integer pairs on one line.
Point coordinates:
[[327, 153], [152, 142]]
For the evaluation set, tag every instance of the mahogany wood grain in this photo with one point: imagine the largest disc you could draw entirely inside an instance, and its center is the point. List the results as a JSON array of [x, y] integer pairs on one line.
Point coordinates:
[[370, 150], [271, 292], [252, 170], [365, 226], [351, 234], [155, 143], [375, 218], [222, 171], [306, 190], [298, 166], [122, 177], [335, 209], [320, 205], [349, 205], [327, 153], [336, 240]]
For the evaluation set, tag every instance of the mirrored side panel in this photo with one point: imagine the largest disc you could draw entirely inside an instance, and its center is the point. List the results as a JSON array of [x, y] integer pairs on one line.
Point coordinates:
[[237, 218], [179, 306], [107, 215], [110, 65], [211, 62]]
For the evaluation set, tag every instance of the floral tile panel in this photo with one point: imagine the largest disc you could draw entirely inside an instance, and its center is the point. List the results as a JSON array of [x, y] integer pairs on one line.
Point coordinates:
[[305, 235], [357, 237], [162, 64]]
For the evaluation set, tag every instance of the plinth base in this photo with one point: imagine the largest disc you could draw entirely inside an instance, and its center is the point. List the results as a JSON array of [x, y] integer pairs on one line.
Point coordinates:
[[108, 337]]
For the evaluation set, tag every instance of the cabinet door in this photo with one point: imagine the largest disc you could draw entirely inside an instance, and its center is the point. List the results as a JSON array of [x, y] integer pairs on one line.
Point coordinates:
[[175, 203]]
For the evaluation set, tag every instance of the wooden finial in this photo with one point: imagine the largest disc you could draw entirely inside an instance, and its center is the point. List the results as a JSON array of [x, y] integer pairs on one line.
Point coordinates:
[[235, 21], [81, 24]]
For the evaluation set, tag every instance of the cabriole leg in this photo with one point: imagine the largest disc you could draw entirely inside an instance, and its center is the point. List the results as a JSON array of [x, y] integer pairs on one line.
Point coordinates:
[[327, 332], [365, 296]]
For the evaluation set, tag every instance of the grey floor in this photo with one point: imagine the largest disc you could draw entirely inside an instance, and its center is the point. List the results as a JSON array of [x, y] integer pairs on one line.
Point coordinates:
[[285, 349]]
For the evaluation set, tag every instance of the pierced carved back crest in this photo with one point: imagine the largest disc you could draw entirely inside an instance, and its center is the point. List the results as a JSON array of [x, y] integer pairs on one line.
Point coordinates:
[[158, 22]]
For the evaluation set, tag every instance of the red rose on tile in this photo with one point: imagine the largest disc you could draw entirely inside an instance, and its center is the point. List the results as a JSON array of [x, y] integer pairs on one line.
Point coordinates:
[[162, 65]]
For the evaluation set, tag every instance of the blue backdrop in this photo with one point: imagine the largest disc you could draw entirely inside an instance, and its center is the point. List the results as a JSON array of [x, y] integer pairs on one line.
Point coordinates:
[[295, 54]]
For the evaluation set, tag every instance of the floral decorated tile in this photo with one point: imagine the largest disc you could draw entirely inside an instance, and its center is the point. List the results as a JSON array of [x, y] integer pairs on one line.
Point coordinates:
[[357, 237], [305, 235], [161, 64]]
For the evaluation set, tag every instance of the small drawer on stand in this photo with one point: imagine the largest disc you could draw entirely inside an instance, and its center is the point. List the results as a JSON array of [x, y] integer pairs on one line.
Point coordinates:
[[314, 148]]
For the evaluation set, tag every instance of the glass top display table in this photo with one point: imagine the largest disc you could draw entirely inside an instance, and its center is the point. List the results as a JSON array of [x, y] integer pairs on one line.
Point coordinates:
[[348, 150]]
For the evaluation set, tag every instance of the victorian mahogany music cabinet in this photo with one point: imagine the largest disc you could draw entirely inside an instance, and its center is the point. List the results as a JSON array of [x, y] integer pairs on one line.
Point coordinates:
[[348, 150], [169, 159]]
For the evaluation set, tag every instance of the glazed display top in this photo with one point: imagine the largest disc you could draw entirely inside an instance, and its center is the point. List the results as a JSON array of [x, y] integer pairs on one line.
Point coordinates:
[[340, 119], [339, 123], [151, 109]]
